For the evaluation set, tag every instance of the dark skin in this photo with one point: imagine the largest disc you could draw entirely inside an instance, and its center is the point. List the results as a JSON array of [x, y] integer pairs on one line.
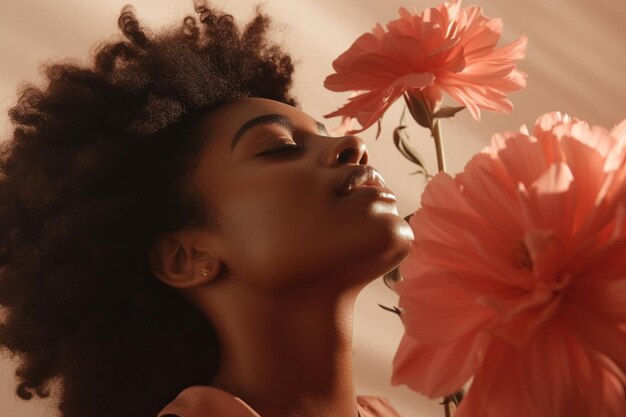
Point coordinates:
[[287, 264]]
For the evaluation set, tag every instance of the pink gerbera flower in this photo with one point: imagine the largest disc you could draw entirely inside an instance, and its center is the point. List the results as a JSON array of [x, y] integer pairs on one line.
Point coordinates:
[[517, 277], [445, 48]]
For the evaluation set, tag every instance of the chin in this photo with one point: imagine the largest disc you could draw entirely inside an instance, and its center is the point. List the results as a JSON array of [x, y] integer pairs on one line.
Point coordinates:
[[378, 249], [393, 246]]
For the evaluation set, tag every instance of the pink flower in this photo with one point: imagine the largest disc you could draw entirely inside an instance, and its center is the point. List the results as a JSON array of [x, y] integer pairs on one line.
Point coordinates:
[[517, 277], [445, 48], [343, 128]]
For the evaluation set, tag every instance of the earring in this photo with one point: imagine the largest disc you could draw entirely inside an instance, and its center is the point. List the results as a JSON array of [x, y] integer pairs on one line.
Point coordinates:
[[205, 271]]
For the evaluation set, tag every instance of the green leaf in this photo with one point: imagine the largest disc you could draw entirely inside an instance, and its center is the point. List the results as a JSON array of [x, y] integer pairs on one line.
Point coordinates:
[[457, 397], [402, 116], [419, 171], [412, 151], [447, 112], [397, 132], [401, 142], [399, 136], [393, 309], [392, 276], [427, 176], [379, 129]]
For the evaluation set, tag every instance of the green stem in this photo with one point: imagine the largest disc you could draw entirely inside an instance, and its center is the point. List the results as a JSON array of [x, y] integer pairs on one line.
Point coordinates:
[[436, 133], [447, 409]]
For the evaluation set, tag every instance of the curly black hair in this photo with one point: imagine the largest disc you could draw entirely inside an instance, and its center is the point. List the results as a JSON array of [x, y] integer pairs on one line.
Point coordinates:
[[97, 166]]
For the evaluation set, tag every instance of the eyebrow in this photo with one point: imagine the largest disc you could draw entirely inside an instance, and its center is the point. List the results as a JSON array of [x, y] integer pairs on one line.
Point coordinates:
[[273, 118]]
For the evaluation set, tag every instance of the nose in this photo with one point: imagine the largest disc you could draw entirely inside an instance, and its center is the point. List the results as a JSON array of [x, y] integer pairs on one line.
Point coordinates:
[[348, 149]]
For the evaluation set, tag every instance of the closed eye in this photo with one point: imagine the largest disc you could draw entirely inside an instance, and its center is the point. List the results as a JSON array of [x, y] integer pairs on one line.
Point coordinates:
[[284, 148]]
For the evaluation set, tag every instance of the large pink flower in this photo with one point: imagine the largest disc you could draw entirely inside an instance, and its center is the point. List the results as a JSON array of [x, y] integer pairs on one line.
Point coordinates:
[[517, 277], [445, 48]]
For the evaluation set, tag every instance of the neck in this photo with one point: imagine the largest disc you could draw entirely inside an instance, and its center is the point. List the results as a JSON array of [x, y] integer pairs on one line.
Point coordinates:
[[287, 356]]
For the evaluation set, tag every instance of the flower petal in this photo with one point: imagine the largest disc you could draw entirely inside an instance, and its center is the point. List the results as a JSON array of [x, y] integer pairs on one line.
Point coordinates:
[[495, 389], [523, 250], [600, 333], [457, 46], [436, 371], [367, 108], [436, 313]]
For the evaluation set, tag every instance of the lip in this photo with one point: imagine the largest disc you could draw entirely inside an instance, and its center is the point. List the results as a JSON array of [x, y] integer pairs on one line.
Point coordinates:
[[376, 191], [364, 177]]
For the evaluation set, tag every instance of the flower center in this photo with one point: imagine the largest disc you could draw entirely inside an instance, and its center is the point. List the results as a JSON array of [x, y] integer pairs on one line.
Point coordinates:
[[523, 260]]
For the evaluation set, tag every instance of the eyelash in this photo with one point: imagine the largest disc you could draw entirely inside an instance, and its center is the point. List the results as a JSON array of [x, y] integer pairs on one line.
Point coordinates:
[[286, 147]]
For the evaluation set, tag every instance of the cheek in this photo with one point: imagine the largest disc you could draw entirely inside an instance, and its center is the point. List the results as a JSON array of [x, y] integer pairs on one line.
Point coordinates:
[[283, 231], [268, 227]]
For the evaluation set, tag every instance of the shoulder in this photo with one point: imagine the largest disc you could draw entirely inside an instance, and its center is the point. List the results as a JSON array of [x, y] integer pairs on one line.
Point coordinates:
[[375, 406], [205, 401]]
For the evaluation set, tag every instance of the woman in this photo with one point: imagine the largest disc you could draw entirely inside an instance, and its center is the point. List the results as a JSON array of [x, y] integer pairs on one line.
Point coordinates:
[[178, 238]]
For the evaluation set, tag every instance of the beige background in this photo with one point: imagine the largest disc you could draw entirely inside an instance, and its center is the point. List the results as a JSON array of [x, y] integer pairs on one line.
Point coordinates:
[[575, 63]]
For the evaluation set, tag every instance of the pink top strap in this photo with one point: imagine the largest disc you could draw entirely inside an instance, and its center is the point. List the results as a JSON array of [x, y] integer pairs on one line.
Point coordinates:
[[375, 406], [205, 401]]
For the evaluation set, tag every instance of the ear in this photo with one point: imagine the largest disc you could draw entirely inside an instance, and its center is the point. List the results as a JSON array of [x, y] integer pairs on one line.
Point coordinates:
[[180, 261]]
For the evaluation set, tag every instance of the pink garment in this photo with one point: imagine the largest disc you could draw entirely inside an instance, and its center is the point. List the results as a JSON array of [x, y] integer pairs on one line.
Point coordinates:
[[204, 401]]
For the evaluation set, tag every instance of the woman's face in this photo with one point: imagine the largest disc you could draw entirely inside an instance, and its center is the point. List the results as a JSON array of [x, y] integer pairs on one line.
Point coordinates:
[[283, 224]]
